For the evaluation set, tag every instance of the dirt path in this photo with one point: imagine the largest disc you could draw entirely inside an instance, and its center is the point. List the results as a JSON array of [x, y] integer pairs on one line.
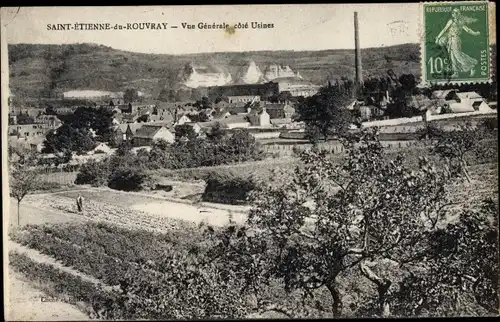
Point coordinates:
[[25, 303]]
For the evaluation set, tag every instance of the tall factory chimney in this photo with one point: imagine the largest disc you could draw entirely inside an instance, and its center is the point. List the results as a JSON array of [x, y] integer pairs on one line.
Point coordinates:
[[359, 69]]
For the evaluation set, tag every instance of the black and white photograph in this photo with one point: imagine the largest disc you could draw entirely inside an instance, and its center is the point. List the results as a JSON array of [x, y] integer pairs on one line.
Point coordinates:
[[248, 162]]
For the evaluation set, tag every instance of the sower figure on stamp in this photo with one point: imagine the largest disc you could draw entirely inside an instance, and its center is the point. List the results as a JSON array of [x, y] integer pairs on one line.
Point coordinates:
[[79, 202], [450, 38]]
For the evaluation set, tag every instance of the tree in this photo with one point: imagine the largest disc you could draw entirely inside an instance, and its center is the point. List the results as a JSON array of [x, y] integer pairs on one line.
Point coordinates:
[[130, 95], [100, 120], [24, 178], [454, 146], [66, 137], [185, 131], [216, 133], [203, 103], [25, 118], [324, 114], [366, 214]]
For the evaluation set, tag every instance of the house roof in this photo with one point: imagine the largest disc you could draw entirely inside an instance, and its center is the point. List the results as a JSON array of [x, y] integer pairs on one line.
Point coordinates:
[[241, 109], [469, 95], [443, 93], [460, 107], [135, 126], [234, 119], [148, 131], [36, 140], [220, 114], [130, 117], [46, 118], [281, 121]]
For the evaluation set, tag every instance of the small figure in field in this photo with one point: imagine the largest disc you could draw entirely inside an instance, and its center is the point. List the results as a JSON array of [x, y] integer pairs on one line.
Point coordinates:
[[79, 202]]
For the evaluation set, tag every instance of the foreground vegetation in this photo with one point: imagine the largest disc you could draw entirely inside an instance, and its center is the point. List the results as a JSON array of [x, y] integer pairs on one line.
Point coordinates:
[[370, 236]]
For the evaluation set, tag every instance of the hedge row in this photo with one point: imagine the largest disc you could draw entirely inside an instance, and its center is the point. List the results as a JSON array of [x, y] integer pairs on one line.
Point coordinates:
[[183, 288], [59, 283]]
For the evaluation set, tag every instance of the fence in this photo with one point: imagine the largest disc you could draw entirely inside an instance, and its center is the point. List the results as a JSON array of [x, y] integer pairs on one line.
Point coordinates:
[[60, 177], [333, 147]]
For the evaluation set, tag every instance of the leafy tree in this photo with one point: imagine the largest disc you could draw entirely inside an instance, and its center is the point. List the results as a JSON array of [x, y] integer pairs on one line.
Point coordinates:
[[324, 114], [203, 103], [24, 178], [68, 138], [100, 120], [130, 95], [184, 131], [127, 179], [216, 132], [95, 173], [368, 214], [143, 118], [25, 118], [454, 146]]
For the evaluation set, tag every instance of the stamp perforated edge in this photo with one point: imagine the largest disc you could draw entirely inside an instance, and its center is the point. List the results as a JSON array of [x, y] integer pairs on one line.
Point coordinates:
[[421, 33]]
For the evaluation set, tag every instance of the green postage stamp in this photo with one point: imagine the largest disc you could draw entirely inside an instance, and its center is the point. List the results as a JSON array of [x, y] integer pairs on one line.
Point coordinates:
[[456, 42]]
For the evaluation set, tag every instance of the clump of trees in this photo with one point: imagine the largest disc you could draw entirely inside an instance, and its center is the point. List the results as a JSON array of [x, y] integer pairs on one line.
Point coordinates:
[[227, 188], [465, 143], [218, 148], [76, 132], [325, 113], [124, 170], [373, 223]]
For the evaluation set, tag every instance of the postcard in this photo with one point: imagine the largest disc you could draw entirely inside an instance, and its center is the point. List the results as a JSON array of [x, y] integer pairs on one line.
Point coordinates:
[[250, 161]]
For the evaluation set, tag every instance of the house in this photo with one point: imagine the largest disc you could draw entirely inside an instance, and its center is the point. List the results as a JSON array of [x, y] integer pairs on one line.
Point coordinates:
[[51, 120], [30, 130], [463, 102], [64, 110], [118, 134], [148, 133], [243, 99], [239, 110], [234, 121], [365, 112], [17, 142], [195, 125], [130, 118], [36, 143], [220, 114], [182, 119], [259, 117], [116, 102], [444, 94], [279, 110], [131, 130], [101, 148], [284, 122]]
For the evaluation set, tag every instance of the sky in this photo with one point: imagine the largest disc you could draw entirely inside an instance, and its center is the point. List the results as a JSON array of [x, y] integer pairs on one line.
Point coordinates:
[[296, 27]]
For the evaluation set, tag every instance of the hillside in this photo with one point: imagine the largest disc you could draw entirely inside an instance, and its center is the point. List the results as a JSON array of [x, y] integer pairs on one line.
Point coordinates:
[[42, 69]]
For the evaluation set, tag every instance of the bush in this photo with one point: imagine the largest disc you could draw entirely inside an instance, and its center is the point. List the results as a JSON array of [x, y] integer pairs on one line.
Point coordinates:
[[227, 188], [93, 173], [128, 179]]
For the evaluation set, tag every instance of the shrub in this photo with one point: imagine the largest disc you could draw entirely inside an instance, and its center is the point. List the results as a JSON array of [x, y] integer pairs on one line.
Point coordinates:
[[93, 173], [227, 188], [128, 179]]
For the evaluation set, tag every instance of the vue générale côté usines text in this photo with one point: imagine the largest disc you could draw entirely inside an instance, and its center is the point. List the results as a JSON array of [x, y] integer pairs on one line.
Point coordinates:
[[158, 26], [239, 25]]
